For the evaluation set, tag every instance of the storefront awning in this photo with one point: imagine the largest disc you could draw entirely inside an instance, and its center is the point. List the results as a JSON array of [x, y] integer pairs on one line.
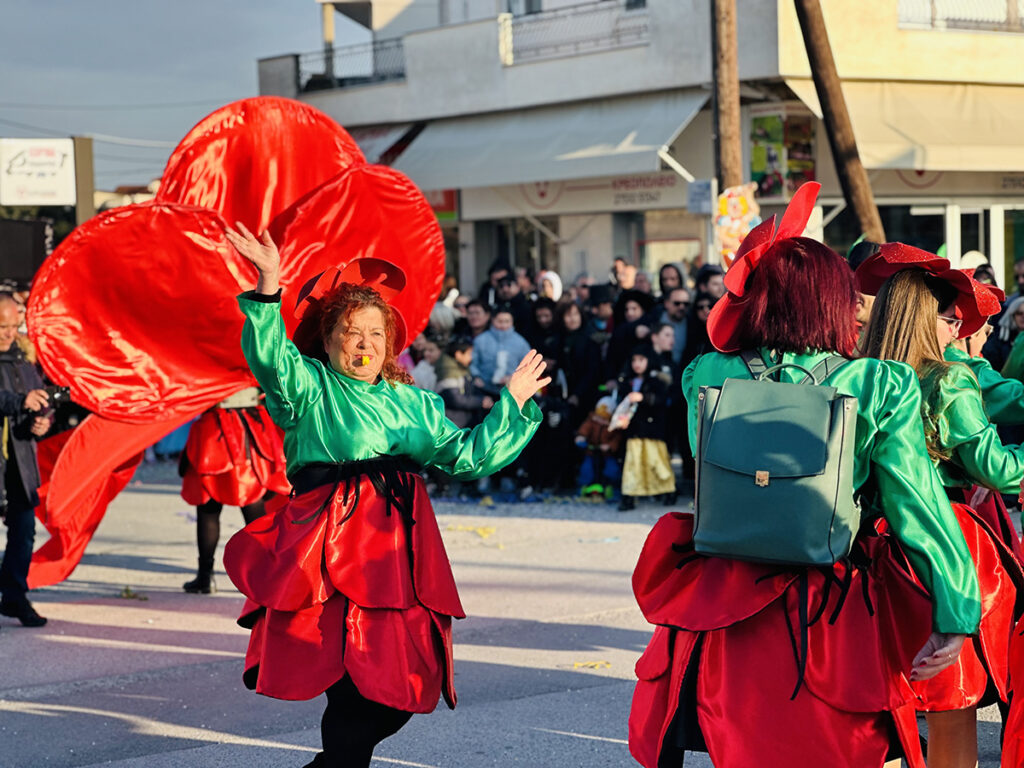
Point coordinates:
[[375, 141], [571, 141], [932, 126]]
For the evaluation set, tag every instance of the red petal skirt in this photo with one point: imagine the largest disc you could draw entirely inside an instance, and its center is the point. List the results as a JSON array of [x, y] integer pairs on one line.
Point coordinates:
[[340, 580], [234, 456], [750, 661]]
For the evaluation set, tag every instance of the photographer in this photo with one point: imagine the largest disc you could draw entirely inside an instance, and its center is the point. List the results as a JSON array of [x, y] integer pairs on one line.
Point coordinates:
[[23, 404]]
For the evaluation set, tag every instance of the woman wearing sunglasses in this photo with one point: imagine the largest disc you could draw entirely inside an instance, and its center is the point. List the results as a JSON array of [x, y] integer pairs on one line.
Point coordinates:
[[921, 308]]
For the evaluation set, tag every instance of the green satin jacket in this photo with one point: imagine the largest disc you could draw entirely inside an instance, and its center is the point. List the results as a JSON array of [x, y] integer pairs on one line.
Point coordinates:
[[1003, 395], [329, 417], [890, 446], [955, 408]]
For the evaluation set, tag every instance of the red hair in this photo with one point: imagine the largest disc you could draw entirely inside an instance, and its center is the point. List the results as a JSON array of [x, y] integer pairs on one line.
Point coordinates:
[[339, 304], [801, 297]]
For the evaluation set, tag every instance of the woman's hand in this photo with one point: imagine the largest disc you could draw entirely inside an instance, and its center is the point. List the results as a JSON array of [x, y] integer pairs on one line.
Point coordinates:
[[527, 381], [262, 253], [635, 397], [938, 652]]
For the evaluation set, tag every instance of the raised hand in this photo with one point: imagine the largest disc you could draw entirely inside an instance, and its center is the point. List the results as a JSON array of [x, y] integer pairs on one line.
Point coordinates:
[[527, 381], [262, 253]]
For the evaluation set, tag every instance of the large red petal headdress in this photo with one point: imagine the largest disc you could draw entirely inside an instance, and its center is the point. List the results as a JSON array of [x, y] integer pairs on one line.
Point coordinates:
[[135, 311], [724, 320]]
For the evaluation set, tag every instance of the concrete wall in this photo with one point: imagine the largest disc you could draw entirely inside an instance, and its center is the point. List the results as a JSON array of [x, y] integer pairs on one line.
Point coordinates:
[[456, 70], [587, 246], [868, 43]]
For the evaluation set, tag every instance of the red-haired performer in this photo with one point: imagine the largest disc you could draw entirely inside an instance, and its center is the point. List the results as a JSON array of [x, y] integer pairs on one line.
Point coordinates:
[[350, 590], [803, 667], [234, 455], [921, 307]]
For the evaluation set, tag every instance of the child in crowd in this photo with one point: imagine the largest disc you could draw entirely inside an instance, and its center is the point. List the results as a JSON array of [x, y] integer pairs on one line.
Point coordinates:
[[647, 470], [465, 403], [600, 471], [424, 373]]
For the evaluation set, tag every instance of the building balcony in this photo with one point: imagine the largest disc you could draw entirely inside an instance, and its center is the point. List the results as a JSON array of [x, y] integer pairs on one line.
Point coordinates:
[[368, 63], [975, 15], [579, 29]]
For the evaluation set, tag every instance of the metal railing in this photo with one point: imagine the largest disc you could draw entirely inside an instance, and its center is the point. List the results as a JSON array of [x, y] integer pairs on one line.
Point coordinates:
[[989, 15], [376, 62], [595, 26]]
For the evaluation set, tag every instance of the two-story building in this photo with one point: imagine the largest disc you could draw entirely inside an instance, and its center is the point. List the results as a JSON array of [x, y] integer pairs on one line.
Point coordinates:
[[561, 135]]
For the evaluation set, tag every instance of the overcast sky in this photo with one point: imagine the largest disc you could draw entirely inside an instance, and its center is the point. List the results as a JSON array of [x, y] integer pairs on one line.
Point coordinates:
[[60, 54]]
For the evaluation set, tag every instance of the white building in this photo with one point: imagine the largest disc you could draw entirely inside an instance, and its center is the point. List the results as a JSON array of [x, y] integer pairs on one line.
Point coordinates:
[[564, 134]]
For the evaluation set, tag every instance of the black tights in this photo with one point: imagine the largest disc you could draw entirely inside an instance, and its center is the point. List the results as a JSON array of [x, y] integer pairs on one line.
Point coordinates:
[[353, 725], [208, 528]]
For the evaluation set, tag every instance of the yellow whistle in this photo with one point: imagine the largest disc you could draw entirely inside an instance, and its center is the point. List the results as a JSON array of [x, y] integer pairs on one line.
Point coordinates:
[[365, 360]]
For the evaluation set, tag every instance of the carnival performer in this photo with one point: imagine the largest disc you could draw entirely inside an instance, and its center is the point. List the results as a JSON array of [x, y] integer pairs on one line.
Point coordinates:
[[350, 590], [921, 306], [234, 455], [803, 667]]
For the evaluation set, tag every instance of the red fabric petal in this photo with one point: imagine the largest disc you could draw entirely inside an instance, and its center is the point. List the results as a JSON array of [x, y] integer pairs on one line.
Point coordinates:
[[798, 211], [135, 312], [253, 158]]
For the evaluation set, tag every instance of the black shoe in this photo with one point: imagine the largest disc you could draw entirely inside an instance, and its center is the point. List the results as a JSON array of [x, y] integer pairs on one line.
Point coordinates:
[[23, 612], [627, 504], [668, 500], [202, 584], [317, 761]]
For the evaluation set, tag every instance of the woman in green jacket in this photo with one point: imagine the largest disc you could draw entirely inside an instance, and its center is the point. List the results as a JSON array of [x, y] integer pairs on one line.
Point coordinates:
[[920, 308], [349, 589], [775, 665]]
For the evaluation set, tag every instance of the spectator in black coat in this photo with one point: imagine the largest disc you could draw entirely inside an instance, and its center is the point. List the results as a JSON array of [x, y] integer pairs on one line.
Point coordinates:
[[580, 359], [632, 327]]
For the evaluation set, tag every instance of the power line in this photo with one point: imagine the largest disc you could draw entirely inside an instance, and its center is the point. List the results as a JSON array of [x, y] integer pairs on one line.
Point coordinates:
[[100, 137], [109, 107]]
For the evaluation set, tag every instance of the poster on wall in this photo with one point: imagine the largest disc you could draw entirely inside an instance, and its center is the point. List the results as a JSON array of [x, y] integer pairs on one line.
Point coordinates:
[[37, 172], [781, 151], [738, 213]]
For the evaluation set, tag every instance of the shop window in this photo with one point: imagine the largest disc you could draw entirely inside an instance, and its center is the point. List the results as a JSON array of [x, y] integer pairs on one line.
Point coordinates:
[[922, 226]]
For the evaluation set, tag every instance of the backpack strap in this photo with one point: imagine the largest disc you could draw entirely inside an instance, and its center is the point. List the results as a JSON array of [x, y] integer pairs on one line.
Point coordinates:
[[755, 364], [827, 367]]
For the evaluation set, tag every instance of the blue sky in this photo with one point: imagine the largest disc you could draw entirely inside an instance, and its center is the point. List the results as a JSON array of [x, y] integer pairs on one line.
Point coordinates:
[[68, 54]]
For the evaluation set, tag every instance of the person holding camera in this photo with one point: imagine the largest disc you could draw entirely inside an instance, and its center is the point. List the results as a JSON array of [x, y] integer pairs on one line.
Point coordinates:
[[23, 410]]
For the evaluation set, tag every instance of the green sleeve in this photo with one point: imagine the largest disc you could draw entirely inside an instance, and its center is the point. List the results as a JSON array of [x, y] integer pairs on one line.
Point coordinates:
[[1003, 397], [467, 454], [691, 403], [289, 382], [965, 431], [915, 505], [1013, 368]]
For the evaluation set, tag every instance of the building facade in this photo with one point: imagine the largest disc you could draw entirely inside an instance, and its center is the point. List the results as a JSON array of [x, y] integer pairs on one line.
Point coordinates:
[[560, 135]]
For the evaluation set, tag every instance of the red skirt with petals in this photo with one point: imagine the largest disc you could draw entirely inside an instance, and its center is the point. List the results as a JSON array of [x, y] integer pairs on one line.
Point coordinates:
[[234, 456], [750, 660], [981, 672], [1013, 738], [345, 579]]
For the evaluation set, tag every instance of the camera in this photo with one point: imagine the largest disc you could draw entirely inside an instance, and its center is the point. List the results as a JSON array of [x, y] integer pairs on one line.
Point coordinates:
[[58, 395]]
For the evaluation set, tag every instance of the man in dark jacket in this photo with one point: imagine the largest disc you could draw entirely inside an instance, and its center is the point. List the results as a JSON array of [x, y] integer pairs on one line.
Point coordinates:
[[21, 408]]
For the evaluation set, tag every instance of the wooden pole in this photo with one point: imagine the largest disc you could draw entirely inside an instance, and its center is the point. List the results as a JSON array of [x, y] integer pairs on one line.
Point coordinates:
[[726, 95], [852, 177], [85, 185]]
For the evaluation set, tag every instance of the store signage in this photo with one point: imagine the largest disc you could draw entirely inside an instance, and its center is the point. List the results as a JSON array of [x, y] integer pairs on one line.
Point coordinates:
[[444, 202], [37, 172], [701, 196], [781, 150], [639, 192]]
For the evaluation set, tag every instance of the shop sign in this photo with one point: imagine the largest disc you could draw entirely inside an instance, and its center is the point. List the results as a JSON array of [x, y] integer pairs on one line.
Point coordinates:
[[445, 203], [639, 192], [37, 172]]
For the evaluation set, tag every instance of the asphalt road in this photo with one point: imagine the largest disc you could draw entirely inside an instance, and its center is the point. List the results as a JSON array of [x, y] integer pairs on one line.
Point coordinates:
[[132, 672]]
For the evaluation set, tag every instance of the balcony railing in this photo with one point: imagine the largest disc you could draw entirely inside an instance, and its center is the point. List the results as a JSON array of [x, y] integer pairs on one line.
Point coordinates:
[[989, 15], [350, 65], [578, 29]]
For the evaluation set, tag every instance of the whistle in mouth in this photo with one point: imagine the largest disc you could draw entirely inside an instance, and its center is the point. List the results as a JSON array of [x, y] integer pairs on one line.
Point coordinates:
[[363, 360]]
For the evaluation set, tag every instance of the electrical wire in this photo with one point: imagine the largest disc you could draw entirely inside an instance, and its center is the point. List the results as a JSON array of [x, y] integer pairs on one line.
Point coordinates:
[[110, 107], [100, 137]]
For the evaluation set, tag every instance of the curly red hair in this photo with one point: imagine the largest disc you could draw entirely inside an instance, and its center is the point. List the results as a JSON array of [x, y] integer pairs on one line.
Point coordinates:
[[340, 303]]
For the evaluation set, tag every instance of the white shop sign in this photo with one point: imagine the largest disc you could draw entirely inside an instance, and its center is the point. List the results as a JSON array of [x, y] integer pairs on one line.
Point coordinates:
[[641, 192], [37, 172]]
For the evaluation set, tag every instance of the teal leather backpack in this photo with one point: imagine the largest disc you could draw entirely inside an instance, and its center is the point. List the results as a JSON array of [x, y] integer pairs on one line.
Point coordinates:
[[775, 467]]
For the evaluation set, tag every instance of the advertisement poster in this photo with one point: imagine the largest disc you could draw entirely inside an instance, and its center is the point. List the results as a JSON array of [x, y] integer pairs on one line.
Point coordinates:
[[37, 172], [781, 152]]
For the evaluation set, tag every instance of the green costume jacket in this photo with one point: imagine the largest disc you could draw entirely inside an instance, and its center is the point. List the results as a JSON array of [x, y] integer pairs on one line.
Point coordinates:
[[1003, 394], [329, 417], [890, 446]]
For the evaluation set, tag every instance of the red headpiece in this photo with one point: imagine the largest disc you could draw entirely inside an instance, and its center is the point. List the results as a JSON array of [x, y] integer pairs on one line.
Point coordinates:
[[723, 322], [974, 304]]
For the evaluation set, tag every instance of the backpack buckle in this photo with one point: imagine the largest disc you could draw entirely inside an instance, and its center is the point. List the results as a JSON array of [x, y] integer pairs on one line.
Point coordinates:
[[761, 478]]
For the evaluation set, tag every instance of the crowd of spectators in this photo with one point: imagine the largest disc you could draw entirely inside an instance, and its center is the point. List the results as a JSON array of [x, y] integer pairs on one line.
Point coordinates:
[[591, 334]]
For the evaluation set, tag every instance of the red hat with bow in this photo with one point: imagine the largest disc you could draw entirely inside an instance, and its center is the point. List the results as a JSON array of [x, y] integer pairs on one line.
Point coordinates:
[[974, 304], [724, 320]]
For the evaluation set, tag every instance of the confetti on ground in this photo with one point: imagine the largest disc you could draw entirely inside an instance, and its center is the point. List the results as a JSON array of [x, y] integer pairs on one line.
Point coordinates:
[[591, 665], [483, 531], [130, 594]]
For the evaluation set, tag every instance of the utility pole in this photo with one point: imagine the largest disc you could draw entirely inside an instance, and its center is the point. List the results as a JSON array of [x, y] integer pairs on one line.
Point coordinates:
[[726, 94], [852, 177], [85, 184]]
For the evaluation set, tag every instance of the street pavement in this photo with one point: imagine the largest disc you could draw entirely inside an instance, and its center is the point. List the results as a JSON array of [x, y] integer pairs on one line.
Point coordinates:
[[131, 672]]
